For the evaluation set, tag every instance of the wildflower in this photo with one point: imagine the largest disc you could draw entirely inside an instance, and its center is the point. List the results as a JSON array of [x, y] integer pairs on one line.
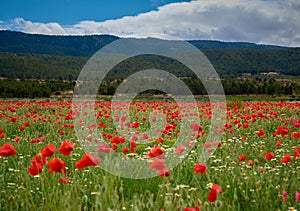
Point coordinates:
[[242, 158], [64, 180], [87, 160], [191, 209], [104, 148], [48, 151], [155, 152], [261, 133], [287, 158], [212, 196], [284, 195], [250, 163], [200, 168], [179, 149], [66, 148], [7, 150], [269, 156], [160, 166], [278, 143], [196, 127], [36, 166], [57, 165], [297, 196]]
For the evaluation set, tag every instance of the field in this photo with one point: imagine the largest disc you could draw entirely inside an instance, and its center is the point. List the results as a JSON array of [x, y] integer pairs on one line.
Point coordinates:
[[254, 166]]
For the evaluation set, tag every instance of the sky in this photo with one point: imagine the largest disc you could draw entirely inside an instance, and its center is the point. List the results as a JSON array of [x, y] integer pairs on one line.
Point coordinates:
[[274, 22]]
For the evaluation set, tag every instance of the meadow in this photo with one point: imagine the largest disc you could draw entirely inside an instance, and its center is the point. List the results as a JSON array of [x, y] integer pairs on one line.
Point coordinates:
[[254, 166]]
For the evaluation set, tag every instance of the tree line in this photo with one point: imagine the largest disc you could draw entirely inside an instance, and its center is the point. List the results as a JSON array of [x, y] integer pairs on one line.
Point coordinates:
[[13, 88]]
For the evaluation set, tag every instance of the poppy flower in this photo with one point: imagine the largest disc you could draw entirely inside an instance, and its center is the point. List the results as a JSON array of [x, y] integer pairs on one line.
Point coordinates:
[[250, 163], [66, 148], [287, 158], [17, 139], [160, 166], [117, 140], [200, 168], [278, 143], [284, 195], [242, 158], [191, 209], [125, 150], [196, 127], [48, 151], [64, 180], [155, 151], [57, 165], [7, 150], [87, 160], [297, 153], [36, 166], [297, 195], [269, 156], [282, 130], [104, 148], [261, 133], [212, 196], [179, 149], [61, 132], [295, 134], [160, 140]]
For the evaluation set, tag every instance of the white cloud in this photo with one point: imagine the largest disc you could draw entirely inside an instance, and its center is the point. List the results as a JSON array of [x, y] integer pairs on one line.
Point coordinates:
[[259, 21]]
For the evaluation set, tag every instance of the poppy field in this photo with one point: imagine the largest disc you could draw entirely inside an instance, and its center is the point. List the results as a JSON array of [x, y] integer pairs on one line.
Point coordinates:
[[254, 166]]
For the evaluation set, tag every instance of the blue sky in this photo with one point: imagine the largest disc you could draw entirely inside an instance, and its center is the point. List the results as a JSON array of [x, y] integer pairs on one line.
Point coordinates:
[[259, 21], [68, 12]]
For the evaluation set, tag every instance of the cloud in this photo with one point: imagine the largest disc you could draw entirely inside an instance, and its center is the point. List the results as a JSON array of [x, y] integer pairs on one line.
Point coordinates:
[[259, 21]]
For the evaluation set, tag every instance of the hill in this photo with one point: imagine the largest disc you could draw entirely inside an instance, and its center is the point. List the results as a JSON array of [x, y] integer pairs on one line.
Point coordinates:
[[62, 57]]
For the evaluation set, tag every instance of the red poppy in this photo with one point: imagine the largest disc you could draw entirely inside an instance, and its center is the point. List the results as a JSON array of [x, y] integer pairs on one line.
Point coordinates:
[[160, 140], [64, 180], [160, 166], [7, 150], [48, 151], [242, 158], [278, 143], [200, 168], [61, 132], [196, 127], [191, 209], [125, 150], [17, 139], [282, 130], [269, 156], [87, 160], [261, 133], [179, 149], [117, 140], [297, 153], [66, 148], [295, 134], [250, 163], [36, 166], [287, 158], [104, 148], [284, 195], [212, 196], [155, 151], [57, 165]]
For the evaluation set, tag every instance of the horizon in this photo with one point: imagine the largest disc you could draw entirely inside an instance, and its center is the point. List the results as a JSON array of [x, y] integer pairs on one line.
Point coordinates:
[[262, 22], [82, 35]]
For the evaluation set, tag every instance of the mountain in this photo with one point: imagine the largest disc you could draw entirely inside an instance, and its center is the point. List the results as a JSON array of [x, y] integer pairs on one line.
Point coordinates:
[[18, 42], [62, 57]]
